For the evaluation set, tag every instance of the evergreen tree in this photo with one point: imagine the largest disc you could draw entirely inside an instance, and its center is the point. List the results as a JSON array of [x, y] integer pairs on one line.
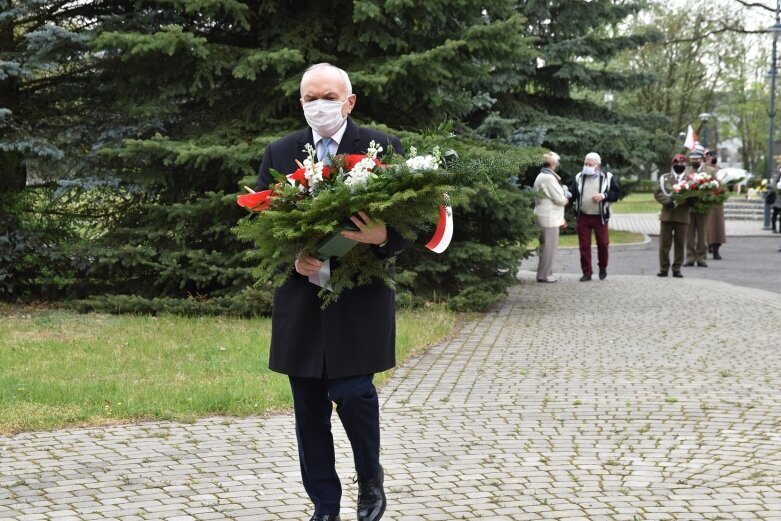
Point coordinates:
[[42, 46], [202, 86], [558, 104], [163, 108]]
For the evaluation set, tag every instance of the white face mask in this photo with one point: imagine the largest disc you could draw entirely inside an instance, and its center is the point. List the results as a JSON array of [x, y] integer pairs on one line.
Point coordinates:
[[325, 116], [589, 170]]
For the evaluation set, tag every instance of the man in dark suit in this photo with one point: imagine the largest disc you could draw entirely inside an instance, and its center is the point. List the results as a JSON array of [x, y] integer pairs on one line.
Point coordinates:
[[331, 355]]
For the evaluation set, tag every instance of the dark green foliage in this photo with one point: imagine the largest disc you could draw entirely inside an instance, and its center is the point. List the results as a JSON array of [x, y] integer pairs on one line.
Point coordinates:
[[406, 199], [33, 263], [557, 106], [491, 228], [36, 79], [645, 186], [248, 303], [139, 121], [196, 85], [175, 250]]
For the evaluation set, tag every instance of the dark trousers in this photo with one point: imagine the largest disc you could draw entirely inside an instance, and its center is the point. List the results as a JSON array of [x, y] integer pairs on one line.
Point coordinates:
[[776, 217], [696, 240], [587, 224], [359, 410], [671, 233]]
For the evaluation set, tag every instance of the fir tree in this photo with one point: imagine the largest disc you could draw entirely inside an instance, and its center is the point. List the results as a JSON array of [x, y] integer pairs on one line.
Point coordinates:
[[164, 108], [42, 46], [559, 104], [205, 85]]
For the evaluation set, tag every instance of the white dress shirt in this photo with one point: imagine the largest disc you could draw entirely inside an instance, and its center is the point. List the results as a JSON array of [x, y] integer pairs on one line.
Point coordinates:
[[333, 146]]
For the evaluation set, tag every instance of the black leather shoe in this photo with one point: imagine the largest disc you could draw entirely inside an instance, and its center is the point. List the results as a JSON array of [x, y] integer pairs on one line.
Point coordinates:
[[716, 255], [326, 517], [702, 264], [585, 278], [678, 274], [602, 274], [371, 498], [662, 273], [689, 264]]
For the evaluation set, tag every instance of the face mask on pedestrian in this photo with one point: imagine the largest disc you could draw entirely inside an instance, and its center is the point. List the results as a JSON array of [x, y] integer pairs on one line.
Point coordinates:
[[714, 160], [679, 169], [696, 165], [589, 170], [325, 116]]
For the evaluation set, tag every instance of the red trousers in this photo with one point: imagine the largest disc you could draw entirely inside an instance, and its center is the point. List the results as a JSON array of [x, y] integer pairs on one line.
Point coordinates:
[[587, 223]]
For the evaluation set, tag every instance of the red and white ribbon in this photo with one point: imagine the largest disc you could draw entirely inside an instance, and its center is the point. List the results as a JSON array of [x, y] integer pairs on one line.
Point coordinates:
[[444, 233]]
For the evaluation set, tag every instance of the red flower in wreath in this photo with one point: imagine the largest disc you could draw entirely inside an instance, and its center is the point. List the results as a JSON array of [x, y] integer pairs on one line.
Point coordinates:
[[256, 201], [350, 160], [299, 175]]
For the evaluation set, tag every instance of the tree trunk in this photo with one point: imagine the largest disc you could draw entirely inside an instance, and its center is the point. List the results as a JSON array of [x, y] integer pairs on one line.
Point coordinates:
[[13, 174]]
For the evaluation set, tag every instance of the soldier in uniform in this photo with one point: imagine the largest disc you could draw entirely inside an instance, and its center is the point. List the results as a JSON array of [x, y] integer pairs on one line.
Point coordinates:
[[696, 241], [674, 219], [717, 234]]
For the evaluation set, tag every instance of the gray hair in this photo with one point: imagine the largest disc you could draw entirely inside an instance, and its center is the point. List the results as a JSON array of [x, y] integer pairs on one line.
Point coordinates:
[[550, 158], [594, 156], [324, 65]]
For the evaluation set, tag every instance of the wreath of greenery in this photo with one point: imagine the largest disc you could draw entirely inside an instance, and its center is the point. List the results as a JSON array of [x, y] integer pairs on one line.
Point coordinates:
[[295, 218]]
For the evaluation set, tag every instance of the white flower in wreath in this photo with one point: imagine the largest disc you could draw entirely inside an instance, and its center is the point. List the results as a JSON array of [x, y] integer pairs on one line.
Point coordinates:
[[313, 173], [360, 173], [427, 162], [373, 150]]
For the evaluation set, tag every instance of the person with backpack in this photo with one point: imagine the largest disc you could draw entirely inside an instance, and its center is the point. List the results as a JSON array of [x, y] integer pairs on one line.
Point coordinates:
[[592, 192]]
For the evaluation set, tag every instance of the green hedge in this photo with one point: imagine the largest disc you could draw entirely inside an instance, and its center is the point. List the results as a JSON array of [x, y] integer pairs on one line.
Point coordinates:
[[248, 303]]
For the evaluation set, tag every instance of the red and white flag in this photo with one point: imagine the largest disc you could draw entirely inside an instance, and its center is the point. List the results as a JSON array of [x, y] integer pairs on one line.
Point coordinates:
[[691, 138], [444, 232]]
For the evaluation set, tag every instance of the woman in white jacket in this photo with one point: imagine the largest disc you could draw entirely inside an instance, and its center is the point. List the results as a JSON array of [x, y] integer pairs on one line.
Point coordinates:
[[550, 199]]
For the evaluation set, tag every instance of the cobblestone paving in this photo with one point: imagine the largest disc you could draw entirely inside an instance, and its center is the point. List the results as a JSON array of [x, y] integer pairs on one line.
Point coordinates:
[[612, 400], [648, 223]]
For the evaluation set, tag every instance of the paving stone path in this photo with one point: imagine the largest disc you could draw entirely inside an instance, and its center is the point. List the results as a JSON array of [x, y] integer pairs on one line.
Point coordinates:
[[633, 398], [648, 223]]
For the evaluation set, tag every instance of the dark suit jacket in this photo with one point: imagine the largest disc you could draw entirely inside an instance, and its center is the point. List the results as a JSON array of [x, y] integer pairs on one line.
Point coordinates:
[[356, 335]]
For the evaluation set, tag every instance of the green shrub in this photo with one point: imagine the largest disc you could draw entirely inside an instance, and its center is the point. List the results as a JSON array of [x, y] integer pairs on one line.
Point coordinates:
[[491, 230], [644, 186], [34, 263], [248, 303]]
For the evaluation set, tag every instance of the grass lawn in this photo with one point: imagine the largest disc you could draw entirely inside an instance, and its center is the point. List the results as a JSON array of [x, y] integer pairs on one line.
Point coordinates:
[[60, 368], [636, 203], [645, 203], [616, 237], [571, 241]]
